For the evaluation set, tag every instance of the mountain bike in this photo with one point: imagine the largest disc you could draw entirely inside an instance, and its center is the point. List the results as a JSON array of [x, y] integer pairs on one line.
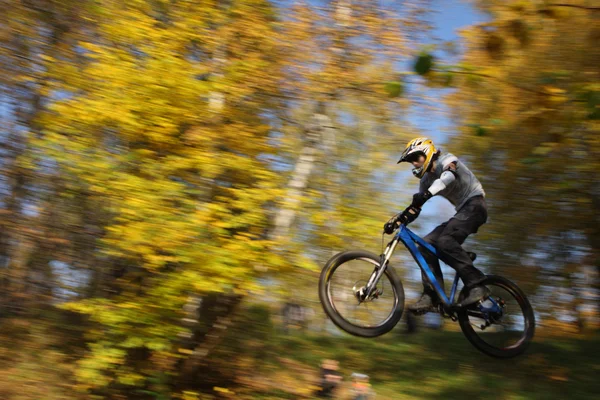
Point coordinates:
[[357, 286]]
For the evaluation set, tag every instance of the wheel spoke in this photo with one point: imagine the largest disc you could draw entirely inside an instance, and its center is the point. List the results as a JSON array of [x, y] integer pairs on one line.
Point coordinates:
[[350, 276]]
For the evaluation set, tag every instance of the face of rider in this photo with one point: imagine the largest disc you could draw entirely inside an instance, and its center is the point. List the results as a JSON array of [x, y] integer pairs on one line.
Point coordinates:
[[418, 163]]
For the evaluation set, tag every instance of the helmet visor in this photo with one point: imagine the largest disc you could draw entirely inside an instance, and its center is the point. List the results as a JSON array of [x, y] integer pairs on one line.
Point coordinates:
[[412, 157]]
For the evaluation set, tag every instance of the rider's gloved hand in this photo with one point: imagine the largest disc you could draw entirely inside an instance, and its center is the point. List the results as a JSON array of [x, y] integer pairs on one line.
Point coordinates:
[[409, 215], [420, 198], [392, 224]]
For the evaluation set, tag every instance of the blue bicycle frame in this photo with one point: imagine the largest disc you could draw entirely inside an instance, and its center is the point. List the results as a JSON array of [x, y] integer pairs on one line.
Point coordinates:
[[410, 240]]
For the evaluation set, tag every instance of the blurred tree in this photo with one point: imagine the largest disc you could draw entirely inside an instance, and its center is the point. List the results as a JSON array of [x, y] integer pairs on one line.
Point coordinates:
[[34, 34], [341, 115], [527, 112], [180, 179]]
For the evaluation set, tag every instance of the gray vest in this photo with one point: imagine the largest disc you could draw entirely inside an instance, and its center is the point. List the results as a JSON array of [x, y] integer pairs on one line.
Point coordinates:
[[462, 189]]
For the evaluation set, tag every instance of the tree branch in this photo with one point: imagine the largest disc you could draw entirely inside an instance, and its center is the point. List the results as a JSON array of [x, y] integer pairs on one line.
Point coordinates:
[[503, 81], [574, 6]]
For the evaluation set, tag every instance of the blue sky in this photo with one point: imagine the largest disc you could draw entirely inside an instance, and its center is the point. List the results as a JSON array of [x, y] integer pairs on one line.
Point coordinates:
[[450, 16], [453, 15]]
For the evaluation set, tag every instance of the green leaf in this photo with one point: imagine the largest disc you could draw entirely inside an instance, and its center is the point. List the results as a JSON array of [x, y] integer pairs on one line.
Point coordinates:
[[530, 160], [133, 342], [479, 130], [542, 150], [593, 104], [423, 64], [157, 345], [394, 88]]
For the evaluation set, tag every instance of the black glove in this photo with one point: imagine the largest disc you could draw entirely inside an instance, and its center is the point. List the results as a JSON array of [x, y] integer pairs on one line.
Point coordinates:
[[392, 224], [409, 215], [420, 198], [405, 217]]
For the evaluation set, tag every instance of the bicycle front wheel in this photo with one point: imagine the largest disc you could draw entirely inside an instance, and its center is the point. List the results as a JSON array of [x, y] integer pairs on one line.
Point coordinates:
[[342, 277]]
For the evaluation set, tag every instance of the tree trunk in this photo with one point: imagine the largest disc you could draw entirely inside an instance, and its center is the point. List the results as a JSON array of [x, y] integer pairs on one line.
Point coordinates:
[[319, 134]]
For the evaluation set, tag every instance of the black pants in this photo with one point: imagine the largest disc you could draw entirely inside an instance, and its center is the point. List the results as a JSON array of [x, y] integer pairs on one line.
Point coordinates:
[[448, 238]]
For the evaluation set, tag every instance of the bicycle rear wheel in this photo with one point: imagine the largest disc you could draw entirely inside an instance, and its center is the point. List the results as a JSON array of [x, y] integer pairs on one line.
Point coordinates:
[[346, 273], [501, 326]]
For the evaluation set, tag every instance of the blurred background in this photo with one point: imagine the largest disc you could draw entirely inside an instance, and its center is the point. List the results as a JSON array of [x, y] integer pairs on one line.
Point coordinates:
[[175, 173]]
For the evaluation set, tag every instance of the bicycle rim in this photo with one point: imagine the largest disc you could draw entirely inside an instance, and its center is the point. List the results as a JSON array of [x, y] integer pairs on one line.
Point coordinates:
[[505, 332], [350, 276]]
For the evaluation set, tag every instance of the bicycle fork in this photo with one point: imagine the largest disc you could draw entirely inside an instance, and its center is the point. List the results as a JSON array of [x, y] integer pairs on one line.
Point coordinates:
[[378, 271]]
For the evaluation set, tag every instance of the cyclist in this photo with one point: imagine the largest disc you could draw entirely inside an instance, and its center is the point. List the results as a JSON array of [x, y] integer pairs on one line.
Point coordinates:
[[445, 175]]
